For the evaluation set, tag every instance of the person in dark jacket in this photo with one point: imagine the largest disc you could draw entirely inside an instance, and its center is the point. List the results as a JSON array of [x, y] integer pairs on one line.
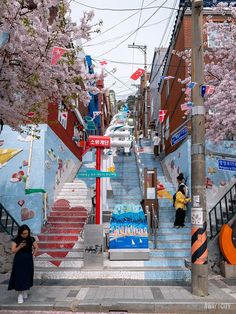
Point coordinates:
[[25, 248]]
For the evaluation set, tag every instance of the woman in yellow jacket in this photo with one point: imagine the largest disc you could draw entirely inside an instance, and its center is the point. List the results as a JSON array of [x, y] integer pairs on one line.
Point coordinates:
[[180, 206]]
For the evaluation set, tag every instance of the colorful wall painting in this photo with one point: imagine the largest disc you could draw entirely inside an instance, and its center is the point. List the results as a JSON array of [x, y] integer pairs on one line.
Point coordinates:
[[29, 208], [7, 154], [217, 181], [128, 228]]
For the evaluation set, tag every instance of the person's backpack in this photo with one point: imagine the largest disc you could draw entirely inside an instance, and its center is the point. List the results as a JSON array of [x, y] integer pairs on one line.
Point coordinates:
[[174, 199]]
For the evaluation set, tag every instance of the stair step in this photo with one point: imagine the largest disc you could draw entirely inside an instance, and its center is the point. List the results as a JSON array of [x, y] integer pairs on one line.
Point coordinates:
[[68, 225], [55, 237], [68, 213], [149, 273], [58, 230], [166, 244], [183, 253], [174, 236], [72, 219], [60, 245], [65, 262], [64, 208]]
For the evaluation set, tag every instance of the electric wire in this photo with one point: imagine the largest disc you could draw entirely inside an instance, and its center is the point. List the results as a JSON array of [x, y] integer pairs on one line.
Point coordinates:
[[112, 27], [139, 20], [167, 52], [109, 73], [118, 10], [118, 37], [133, 32]]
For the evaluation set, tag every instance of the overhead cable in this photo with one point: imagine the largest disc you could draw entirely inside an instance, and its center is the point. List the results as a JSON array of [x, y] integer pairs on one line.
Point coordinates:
[[133, 32], [119, 10]]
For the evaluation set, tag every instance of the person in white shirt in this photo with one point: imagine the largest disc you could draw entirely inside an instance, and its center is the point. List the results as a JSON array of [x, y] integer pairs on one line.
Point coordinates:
[[156, 145]]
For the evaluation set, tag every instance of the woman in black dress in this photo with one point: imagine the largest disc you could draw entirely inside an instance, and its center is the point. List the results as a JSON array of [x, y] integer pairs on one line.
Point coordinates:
[[24, 247]]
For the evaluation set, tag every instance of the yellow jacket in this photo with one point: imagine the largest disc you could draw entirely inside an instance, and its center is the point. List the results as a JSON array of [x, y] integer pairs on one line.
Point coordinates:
[[181, 200]]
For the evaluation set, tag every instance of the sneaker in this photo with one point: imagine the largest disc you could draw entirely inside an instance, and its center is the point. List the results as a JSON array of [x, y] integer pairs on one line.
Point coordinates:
[[25, 294], [20, 298], [177, 227]]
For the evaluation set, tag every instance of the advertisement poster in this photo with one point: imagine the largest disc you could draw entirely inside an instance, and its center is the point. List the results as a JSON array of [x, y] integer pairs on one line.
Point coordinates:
[[128, 228]]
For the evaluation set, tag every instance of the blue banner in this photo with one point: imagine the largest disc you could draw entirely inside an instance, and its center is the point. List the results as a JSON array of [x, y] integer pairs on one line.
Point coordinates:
[[179, 136]]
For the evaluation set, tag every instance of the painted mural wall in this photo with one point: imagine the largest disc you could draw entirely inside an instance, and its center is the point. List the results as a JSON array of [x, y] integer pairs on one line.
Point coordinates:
[[218, 181], [52, 163]]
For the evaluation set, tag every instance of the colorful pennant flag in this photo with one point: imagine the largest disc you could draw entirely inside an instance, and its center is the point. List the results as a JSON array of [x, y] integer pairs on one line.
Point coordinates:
[[167, 77], [207, 89], [188, 91], [57, 53], [96, 113], [210, 89], [162, 114], [137, 74], [31, 114], [103, 62], [4, 37], [186, 106], [191, 85]]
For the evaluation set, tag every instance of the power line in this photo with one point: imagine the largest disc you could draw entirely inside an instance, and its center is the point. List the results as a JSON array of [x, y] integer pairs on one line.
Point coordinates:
[[120, 10], [118, 37], [139, 20], [117, 78], [133, 32], [167, 52], [124, 20], [130, 63]]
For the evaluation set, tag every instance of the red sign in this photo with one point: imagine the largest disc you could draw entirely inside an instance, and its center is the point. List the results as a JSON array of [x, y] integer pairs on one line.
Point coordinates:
[[99, 141]]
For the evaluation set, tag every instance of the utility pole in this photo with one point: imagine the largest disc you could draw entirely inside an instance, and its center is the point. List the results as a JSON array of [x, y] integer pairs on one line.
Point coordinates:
[[199, 250], [143, 48]]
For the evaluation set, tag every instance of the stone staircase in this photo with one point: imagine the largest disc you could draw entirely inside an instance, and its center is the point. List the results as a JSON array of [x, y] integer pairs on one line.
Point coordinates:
[[173, 245], [166, 263], [60, 242], [125, 187]]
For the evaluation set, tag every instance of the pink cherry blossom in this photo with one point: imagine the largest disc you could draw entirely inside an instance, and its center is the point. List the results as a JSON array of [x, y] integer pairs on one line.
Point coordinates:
[[28, 80]]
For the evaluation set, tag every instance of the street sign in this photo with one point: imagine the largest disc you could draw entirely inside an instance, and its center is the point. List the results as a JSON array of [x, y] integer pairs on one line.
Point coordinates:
[[90, 125], [99, 141], [97, 174], [179, 136], [224, 164]]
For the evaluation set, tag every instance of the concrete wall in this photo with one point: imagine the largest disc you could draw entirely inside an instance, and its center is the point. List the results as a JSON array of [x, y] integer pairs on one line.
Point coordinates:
[[52, 164], [217, 181]]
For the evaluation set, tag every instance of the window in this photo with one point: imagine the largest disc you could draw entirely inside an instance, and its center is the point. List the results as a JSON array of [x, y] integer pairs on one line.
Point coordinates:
[[62, 114], [220, 36]]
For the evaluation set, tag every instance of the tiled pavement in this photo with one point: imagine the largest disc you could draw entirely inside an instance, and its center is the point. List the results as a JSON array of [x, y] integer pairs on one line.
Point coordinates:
[[66, 295]]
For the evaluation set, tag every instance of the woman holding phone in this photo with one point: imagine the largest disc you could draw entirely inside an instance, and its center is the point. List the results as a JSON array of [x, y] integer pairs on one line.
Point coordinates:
[[25, 248]]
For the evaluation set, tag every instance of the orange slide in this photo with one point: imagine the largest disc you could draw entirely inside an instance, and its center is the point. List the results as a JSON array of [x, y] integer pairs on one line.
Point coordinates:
[[227, 247]]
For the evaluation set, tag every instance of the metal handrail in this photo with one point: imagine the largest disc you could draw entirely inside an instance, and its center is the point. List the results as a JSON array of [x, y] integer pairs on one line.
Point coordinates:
[[154, 226], [222, 212], [8, 218]]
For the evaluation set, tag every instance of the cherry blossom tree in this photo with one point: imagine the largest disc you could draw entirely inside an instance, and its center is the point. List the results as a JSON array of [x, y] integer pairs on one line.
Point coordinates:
[[219, 73], [28, 79]]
